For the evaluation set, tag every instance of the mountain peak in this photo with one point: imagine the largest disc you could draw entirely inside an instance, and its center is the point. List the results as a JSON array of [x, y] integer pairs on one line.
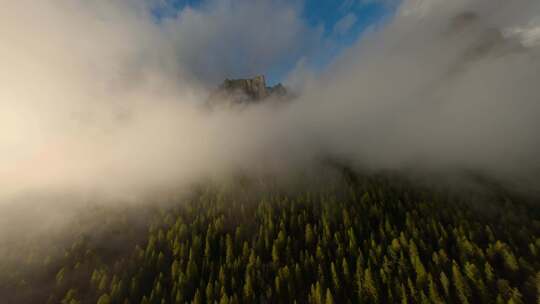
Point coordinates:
[[248, 90]]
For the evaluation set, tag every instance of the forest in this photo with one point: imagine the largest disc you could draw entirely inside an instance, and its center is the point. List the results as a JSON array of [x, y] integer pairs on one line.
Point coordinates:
[[371, 239]]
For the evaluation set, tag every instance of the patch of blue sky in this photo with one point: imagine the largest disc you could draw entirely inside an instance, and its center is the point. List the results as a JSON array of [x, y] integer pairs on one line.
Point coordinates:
[[343, 23]]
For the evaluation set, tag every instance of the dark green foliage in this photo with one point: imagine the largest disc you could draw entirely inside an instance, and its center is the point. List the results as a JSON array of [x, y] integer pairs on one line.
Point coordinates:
[[374, 242]]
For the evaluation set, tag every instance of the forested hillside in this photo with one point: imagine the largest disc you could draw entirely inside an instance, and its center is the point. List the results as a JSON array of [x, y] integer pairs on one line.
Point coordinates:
[[376, 239]]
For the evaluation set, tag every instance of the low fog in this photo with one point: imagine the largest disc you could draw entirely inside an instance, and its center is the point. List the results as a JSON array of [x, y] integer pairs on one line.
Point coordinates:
[[105, 98]]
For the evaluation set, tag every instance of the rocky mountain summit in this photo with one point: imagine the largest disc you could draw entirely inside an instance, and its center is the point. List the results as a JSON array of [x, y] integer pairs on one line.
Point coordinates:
[[249, 90]]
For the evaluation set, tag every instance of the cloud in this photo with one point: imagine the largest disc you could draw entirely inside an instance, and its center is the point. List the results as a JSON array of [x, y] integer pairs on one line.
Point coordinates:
[[345, 24], [239, 38], [347, 5], [529, 35], [438, 88], [99, 97], [102, 89]]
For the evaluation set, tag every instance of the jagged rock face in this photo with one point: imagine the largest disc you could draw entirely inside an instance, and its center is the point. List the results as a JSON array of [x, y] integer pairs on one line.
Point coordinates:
[[248, 90], [278, 90], [255, 88]]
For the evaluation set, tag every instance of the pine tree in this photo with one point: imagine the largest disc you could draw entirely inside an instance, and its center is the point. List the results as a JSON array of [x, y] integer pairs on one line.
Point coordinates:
[[104, 299], [329, 299], [489, 272], [209, 292], [248, 289], [308, 234], [433, 293], [335, 278], [275, 254], [70, 297], [445, 284], [462, 289], [197, 298], [369, 286], [346, 272], [224, 299], [403, 294]]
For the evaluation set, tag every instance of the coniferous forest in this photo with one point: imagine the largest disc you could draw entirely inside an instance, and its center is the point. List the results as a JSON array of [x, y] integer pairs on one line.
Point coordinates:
[[370, 239]]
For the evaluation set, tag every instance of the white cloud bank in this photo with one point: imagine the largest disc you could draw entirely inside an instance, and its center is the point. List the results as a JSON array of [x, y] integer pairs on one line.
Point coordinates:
[[96, 96], [345, 24]]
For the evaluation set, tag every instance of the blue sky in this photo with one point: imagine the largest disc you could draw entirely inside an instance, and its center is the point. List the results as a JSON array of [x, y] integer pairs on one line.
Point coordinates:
[[340, 21], [333, 16]]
